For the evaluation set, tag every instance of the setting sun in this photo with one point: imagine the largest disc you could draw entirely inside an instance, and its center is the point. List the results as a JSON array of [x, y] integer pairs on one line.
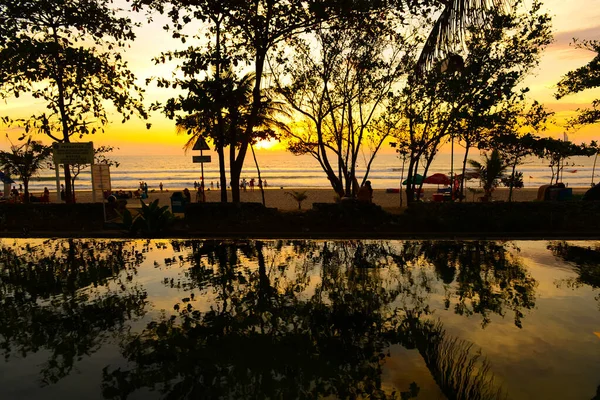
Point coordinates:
[[270, 144]]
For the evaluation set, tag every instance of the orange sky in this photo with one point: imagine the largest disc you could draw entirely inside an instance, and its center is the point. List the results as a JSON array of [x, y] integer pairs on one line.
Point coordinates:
[[573, 18]]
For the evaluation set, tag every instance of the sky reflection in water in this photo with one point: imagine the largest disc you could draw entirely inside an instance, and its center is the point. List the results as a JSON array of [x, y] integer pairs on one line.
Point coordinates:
[[299, 319]]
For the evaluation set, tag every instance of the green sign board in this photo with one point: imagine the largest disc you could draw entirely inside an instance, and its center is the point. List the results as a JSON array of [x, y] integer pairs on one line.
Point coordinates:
[[73, 153]]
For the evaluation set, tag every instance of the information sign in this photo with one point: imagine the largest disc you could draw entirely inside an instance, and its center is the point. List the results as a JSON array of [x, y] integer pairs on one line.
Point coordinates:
[[73, 153], [201, 159]]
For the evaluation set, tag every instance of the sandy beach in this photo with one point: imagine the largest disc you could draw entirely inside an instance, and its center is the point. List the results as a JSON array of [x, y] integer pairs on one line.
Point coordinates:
[[277, 198]]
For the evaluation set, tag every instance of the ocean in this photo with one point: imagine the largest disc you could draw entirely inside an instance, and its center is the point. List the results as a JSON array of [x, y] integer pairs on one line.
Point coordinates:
[[281, 169]]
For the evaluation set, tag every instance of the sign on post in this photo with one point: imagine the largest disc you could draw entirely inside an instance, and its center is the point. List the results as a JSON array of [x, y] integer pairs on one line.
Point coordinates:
[[200, 144], [201, 159], [101, 179], [73, 153]]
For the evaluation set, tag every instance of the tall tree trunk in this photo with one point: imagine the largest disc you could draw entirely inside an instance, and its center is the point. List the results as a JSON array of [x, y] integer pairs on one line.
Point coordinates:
[[63, 112], [68, 190], [26, 192], [73, 186], [402, 178], [464, 169], [222, 176], [262, 190], [238, 162], [594, 168], [234, 175], [512, 181], [410, 192], [220, 143]]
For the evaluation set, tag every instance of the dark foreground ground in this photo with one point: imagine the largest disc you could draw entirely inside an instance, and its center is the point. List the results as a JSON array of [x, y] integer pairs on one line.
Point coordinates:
[[575, 219]]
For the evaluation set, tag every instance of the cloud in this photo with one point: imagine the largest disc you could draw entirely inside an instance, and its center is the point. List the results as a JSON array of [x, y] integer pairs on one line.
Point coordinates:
[[563, 40], [562, 107]]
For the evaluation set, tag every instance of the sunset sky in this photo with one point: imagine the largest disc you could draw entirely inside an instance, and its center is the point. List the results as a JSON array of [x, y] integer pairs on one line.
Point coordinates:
[[573, 18]]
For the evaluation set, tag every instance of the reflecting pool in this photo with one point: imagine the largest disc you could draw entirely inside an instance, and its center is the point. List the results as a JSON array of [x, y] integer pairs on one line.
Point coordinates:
[[286, 319]]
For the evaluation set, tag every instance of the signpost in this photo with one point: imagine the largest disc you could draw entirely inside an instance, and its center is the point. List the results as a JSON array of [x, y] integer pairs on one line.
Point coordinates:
[[201, 159], [72, 153], [201, 145], [101, 182]]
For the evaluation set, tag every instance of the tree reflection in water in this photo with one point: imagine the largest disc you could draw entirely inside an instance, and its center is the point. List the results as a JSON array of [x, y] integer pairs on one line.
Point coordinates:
[[584, 260], [488, 278], [66, 296], [306, 319]]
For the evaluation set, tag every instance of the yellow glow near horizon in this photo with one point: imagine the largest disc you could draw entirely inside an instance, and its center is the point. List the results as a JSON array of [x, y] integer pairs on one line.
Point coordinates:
[[271, 144]]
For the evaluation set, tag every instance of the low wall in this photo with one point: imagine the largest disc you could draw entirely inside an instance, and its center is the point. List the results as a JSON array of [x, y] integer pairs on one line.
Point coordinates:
[[51, 217], [221, 217], [547, 216]]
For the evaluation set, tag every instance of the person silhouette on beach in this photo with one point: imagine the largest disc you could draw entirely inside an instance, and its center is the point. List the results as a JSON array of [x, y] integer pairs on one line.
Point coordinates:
[[365, 193]]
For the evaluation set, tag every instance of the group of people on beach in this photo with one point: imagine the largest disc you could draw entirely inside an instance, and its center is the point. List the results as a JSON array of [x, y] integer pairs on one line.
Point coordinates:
[[244, 184], [252, 183]]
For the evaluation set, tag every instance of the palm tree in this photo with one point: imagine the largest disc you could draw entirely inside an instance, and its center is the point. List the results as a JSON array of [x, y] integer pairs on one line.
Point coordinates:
[[234, 115], [299, 197], [24, 161], [490, 172], [450, 26]]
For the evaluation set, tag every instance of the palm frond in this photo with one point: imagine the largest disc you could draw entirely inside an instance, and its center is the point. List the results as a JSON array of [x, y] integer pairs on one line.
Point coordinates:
[[449, 28]]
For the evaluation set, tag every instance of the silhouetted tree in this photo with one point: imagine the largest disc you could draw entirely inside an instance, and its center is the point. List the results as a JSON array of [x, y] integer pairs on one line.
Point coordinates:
[[491, 171], [338, 88], [67, 55], [259, 27], [586, 77], [469, 101], [556, 151], [24, 161]]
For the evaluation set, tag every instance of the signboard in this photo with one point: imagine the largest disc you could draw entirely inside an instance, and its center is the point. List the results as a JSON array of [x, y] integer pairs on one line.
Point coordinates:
[[200, 145], [201, 159], [100, 179], [73, 153]]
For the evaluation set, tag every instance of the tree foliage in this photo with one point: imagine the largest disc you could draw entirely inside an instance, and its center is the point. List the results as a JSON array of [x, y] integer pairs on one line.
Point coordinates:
[[25, 160], [512, 144], [338, 89], [556, 151], [67, 54], [469, 100], [100, 157], [583, 78], [491, 171]]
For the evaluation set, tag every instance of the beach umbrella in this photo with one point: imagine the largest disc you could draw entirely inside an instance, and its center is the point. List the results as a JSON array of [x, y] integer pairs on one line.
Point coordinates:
[[417, 180], [437, 179], [5, 179]]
